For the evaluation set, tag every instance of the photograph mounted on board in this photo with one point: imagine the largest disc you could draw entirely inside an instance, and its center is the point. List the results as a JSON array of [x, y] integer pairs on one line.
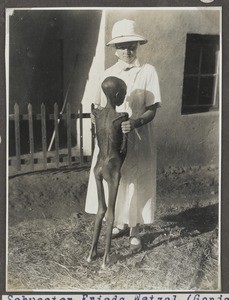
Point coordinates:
[[114, 125]]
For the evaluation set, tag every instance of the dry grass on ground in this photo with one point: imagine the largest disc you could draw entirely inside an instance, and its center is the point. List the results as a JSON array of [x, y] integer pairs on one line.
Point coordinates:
[[50, 236]]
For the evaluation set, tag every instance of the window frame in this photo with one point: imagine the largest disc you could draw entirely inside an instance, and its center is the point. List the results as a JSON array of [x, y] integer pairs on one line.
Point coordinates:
[[203, 42]]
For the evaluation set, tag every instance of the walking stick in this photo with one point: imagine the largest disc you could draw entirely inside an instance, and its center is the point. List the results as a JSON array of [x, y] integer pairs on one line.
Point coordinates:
[[64, 104]]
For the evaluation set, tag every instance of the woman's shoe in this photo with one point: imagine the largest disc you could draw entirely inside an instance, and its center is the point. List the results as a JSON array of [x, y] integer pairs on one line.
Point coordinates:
[[118, 232], [135, 244]]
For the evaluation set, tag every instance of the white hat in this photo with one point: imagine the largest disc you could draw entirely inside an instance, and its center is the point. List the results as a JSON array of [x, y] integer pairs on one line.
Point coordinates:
[[125, 31]]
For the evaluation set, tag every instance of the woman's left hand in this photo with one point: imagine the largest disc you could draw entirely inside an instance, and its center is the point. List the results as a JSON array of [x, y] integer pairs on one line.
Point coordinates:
[[127, 126]]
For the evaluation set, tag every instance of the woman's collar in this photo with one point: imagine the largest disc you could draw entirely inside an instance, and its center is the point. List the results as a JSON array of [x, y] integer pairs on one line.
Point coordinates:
[[125, 66]]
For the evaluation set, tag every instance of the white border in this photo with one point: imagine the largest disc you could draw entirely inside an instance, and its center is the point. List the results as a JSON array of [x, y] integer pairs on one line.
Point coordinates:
[[7, 139], [220, 148], [9, 11]]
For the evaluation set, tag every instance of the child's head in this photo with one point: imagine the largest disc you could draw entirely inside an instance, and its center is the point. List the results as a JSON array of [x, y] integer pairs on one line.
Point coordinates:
[[115, 90]]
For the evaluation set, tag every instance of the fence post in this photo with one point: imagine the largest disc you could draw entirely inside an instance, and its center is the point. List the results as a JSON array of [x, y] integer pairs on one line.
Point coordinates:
[[92, 133], [43, 117], [31, 137], [81, 134], [44, 137], [56, 128], [17, 136], [69, 137]]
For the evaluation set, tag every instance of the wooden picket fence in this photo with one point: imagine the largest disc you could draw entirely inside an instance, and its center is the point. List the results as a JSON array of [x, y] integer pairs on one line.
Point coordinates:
[[56, 117]]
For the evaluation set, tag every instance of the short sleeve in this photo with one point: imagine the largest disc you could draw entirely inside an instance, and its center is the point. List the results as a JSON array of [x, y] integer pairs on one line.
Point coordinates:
[[100, 98], [152, 88], [97, 99]]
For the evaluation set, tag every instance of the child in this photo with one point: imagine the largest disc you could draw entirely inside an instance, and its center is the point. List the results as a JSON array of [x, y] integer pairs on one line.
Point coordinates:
[[112, 144]]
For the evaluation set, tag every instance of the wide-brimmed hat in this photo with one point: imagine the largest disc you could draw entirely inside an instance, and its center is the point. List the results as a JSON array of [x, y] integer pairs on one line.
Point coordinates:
[[125, 31]]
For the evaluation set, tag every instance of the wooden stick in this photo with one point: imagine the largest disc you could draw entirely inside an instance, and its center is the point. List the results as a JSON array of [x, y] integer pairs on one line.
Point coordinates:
[[65, 101]]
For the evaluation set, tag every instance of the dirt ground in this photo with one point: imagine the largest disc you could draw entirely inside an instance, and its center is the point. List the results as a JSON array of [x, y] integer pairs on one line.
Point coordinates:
[[49, 235]]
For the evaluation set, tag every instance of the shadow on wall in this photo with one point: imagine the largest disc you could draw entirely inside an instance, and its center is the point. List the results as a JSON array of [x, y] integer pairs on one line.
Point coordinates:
[[51, 52], [183, 140]]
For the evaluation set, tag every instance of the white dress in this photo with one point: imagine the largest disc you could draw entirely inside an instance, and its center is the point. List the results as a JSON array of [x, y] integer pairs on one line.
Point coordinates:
[[136, 197]]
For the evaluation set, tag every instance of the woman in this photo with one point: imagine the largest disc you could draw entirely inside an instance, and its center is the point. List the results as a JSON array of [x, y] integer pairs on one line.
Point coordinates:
[[135, 204]]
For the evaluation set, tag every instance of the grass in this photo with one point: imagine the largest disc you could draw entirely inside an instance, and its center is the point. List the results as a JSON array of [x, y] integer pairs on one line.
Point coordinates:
[[180, 249]]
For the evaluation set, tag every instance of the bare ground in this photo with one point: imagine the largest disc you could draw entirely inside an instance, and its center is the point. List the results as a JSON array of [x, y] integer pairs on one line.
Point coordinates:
[[49, 235]]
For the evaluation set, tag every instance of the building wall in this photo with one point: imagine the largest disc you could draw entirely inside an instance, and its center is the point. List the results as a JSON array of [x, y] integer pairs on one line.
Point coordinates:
[[51, 52], [183, 140], [40, 73], [50, 56]]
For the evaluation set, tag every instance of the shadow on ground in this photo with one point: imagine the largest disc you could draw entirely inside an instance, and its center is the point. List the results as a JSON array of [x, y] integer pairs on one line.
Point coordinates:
[[201, 219], [191, 222]]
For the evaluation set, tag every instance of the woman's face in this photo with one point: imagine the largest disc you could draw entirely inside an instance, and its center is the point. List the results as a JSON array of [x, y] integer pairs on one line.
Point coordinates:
[[127, 51]]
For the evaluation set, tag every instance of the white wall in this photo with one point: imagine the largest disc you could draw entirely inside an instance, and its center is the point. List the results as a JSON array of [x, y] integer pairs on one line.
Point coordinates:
[[183, 140]]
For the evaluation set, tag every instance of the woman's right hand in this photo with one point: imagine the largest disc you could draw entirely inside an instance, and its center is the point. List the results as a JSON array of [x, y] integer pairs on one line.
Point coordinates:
[[127, 126]]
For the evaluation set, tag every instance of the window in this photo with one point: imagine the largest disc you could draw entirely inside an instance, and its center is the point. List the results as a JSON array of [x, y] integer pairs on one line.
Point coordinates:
[[200, 84]]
